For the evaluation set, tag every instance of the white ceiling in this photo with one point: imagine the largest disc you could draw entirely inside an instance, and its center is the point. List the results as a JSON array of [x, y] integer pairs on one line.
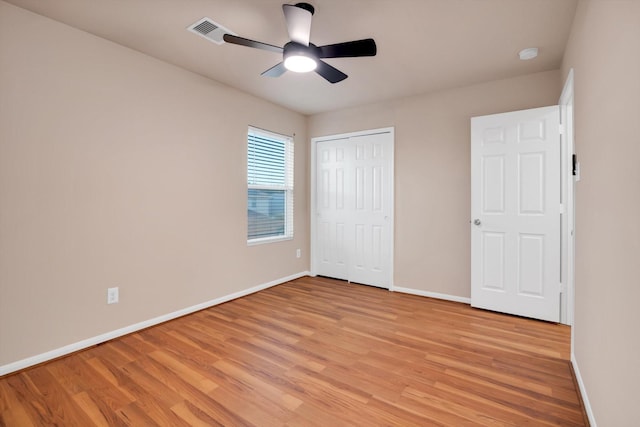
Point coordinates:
[[423, 45]]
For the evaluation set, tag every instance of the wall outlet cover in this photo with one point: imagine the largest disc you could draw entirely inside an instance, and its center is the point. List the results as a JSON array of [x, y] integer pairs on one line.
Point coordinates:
[[112, 295]]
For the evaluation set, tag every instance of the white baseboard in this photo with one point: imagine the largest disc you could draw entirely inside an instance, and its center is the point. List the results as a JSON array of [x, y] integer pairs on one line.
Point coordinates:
[[432, 295], [583, 391], [81, 345]]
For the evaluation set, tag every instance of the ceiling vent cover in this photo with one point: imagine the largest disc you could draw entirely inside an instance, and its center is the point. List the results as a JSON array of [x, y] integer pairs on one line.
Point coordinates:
[[210, 30]]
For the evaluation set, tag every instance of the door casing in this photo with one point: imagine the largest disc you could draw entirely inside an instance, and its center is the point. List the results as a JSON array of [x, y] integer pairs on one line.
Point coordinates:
[[568, 200]]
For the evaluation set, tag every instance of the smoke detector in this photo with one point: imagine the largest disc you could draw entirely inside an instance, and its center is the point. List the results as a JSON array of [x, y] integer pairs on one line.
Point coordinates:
[[528, 53], [210, 30]]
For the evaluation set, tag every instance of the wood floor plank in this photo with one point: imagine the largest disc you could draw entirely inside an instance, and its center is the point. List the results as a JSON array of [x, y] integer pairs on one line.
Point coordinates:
[[56, 401], [193, 416], [159, 413], [132, 415], [12, 410], [95, 409], [312, 352]]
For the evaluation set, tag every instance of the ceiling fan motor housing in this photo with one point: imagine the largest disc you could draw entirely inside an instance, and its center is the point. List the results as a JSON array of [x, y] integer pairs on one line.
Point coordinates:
[[293, 48]]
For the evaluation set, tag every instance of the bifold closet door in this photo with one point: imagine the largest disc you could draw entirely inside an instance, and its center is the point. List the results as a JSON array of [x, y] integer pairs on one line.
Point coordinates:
[[354, 205]]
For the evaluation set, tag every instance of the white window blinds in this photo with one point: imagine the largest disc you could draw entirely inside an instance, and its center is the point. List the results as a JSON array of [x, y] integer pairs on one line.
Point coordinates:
[[269, 186]]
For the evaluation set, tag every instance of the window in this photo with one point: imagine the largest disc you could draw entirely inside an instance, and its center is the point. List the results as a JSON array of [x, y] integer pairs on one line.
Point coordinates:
[[269, 187]]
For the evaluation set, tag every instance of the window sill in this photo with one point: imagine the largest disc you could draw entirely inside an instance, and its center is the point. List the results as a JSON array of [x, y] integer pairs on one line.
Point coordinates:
[[255, 242]]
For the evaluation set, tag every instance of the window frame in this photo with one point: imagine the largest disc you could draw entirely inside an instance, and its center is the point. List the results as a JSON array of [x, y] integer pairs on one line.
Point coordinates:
[[288, 187]]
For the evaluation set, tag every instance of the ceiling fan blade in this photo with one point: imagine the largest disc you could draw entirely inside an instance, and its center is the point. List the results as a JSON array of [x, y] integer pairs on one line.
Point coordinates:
[[230, 38], [275, 71], [298, 23], [365, 47], [331, 74]]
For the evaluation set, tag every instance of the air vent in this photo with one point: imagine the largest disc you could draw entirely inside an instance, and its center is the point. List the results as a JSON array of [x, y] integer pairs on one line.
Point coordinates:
[[210, 30], [205, 27]]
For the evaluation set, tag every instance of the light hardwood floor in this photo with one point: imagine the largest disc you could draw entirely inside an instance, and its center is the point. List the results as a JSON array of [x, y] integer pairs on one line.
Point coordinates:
[[311, 352]]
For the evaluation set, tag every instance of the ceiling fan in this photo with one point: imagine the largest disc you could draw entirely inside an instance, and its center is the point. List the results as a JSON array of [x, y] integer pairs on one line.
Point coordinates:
[[301, 56]]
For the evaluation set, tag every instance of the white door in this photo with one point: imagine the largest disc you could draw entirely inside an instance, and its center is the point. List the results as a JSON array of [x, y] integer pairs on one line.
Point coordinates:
[[354, 206], [515, 211], [332, 210]]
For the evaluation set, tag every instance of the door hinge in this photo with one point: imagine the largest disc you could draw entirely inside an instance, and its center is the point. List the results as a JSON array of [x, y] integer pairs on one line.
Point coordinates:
[[561, 129]]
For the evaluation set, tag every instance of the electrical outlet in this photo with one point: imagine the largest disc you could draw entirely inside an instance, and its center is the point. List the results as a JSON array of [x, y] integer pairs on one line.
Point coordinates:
[[112, 295], [298, 253]]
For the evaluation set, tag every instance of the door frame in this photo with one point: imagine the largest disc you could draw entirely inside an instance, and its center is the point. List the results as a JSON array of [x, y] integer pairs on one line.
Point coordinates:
[[345, 136], [567, 126]]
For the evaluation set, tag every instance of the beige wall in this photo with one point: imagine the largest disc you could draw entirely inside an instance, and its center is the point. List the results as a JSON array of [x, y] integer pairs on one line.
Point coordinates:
[[604, 51], [432, 171], [120, 170]]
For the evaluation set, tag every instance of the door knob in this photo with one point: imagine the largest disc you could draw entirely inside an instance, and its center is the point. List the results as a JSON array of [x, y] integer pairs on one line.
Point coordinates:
[[477, 221]]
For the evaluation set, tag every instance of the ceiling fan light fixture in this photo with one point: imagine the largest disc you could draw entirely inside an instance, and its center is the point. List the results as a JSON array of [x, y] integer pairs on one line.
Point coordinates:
[[299, 58], [300, 63]]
